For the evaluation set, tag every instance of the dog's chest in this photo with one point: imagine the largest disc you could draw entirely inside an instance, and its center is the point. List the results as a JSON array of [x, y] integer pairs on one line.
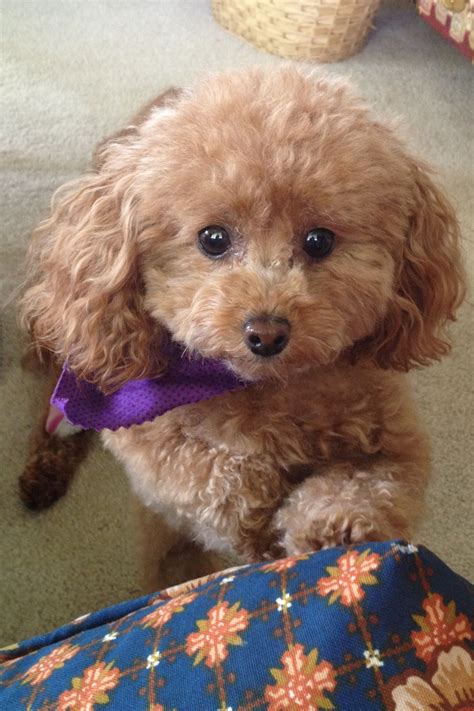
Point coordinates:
[[300, 423]]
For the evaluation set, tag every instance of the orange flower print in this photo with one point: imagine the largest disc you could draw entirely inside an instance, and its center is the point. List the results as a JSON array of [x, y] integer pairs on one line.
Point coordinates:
[[301, 682], [91, 688], [345, 581], [278, 566], [159, 617], [40, 671], [439, 628], [217, 633]]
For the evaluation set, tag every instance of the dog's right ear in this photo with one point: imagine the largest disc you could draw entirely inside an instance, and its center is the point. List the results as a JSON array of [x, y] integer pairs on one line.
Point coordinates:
[[84, 299]]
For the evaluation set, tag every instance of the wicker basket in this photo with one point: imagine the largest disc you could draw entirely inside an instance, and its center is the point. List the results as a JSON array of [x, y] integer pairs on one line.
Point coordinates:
[[318, 30]]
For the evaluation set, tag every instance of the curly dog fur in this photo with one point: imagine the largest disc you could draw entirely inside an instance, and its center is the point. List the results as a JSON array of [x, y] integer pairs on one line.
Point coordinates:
[[324, 446]]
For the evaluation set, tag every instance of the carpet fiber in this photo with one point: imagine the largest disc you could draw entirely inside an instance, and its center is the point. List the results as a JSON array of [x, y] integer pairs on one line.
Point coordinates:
[[74, 72]]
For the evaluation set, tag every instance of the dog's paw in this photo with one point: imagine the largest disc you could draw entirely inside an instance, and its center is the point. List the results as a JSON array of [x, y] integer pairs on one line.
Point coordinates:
[[325, 525], [333, 528], [341, 507]]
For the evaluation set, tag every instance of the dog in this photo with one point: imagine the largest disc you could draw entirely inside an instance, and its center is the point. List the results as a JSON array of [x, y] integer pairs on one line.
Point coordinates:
[[264, 221]]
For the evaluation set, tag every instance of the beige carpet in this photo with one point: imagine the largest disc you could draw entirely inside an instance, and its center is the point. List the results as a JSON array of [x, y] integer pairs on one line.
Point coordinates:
[[75, 71]]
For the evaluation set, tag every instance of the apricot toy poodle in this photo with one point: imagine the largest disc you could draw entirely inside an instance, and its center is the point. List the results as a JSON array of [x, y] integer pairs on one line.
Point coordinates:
[[235, 293]]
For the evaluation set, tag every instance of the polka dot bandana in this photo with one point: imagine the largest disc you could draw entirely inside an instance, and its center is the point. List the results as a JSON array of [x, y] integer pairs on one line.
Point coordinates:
[[187, 380]]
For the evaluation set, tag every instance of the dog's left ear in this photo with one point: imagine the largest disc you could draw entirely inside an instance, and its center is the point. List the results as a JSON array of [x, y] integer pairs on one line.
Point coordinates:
[[429, 284]]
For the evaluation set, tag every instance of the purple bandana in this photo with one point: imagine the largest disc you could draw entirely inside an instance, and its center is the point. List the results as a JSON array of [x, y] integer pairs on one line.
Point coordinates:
[[186, 380]]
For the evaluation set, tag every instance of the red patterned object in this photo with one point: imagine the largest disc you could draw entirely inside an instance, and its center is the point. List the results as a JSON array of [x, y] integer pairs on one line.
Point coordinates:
[[454, 19], [373, 627]]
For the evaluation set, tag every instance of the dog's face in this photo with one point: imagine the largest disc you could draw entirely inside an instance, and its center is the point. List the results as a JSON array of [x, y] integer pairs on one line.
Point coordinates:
[[280, 213], [268, 220]]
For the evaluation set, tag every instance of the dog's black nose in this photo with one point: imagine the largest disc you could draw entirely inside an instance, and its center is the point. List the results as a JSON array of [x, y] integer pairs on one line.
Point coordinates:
[[267, 336]]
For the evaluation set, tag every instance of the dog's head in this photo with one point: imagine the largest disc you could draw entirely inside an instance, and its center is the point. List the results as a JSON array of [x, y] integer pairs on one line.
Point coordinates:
[[264, 218]]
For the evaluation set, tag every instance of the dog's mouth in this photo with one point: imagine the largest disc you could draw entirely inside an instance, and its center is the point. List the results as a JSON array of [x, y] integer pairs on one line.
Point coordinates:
[[258, 369], [249, 367]]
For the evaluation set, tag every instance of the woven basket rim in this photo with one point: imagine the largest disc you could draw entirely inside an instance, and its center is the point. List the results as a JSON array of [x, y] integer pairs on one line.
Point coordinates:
[[291, 27]]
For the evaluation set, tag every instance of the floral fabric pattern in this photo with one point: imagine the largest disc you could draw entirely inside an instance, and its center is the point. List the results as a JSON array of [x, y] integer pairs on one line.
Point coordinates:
[[440, 627], [90, 689], [346, 580], [450, 686], [375, 626], [217, 633], [301, 683], [43, 668]]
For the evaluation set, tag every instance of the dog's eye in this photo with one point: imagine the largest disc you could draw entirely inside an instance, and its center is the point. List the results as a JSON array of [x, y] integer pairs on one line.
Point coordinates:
[[214, 241], [319, 242]]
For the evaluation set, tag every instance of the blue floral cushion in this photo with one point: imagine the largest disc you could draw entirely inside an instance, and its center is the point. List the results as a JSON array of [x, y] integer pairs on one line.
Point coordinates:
[[374, 626]]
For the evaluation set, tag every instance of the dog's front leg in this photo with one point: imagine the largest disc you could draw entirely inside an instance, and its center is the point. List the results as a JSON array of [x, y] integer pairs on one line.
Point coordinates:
[[225, 500], [348, 503], [236, 505]]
